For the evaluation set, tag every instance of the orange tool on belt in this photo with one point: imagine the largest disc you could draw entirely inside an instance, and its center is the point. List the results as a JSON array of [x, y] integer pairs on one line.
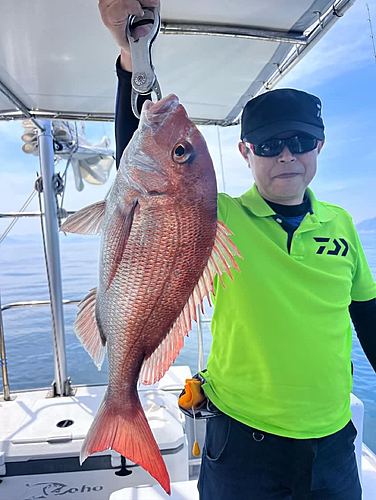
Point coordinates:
[[193, 396], [192, 399]]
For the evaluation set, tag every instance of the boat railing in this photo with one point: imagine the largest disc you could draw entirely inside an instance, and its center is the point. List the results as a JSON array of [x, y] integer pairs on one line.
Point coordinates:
[[50, 233], [3, 358], [47, 184], [40, 303]]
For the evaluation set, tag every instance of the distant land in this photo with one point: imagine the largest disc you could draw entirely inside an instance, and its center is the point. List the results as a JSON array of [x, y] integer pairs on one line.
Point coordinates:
[[37, 238], [367, 226]]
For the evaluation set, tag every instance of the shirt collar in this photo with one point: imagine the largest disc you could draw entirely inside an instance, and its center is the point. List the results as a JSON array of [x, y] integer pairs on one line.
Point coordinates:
[[323, 213], [258, 206]]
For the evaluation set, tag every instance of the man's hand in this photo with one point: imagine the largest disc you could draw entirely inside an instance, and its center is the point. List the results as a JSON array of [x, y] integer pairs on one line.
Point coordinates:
[[115, 14]]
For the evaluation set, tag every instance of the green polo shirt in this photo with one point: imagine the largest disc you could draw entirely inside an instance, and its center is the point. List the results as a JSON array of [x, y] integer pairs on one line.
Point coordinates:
[[280, 356]]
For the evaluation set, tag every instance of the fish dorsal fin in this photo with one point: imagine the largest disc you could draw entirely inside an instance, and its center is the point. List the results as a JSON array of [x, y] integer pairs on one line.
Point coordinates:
[[219, 262], [87, 330], [88, 220]]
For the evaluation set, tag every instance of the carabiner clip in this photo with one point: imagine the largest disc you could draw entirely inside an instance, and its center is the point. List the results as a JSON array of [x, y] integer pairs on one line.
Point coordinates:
[[144, 79]]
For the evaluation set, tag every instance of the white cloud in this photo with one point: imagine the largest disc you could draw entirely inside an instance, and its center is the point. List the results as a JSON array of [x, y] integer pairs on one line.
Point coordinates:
[[16, 186], [346, 46], [75, 200], [11, 130], [323, 186], [238, 177], [18, 174]]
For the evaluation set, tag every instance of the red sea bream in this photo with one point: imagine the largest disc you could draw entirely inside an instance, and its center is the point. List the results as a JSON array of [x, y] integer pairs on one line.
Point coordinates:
[[161, 246]]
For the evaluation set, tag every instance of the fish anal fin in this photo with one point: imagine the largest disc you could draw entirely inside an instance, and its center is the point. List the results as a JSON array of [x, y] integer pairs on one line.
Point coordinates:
[[88, 220], [157, 364], [129, 434], [87, 329], [219, 262]]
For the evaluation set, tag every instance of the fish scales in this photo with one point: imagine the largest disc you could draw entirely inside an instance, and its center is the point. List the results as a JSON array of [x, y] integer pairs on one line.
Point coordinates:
[[146, 268], [163, 254], [160, 250]]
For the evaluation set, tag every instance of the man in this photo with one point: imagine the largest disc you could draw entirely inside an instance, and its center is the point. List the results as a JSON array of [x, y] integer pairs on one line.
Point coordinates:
[[279, 369]]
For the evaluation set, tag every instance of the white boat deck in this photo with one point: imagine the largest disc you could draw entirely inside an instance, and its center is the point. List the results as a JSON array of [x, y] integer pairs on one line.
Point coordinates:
[[39, 459], [41, 438], [368, 473], [184, 490]]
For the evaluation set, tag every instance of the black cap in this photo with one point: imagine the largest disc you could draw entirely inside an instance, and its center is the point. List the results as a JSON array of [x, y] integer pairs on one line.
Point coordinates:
[[279, 111]]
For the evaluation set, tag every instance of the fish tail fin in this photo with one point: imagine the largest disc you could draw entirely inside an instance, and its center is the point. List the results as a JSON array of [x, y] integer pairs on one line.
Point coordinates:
[[128, 433]]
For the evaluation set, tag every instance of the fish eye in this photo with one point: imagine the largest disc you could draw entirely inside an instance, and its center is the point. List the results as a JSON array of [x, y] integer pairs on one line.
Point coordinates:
[[182, 152]]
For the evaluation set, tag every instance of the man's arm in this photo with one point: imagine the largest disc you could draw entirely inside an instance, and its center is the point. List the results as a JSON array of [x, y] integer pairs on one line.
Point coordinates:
[[363, 315], [115, 15], [125, 121]]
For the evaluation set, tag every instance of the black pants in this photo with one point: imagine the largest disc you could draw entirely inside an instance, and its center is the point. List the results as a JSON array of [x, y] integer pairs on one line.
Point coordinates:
[[242, 463]]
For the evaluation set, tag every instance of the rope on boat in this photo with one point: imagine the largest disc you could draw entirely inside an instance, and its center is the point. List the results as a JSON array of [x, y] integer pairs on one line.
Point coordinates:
[[64, 177], [15, 220], [59, 188]]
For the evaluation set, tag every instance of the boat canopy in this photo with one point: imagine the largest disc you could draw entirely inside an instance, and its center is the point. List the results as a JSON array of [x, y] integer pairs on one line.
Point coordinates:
[[57, 58]]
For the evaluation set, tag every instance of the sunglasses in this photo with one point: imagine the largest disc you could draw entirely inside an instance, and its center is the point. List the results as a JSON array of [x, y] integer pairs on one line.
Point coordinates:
[[298, 144]]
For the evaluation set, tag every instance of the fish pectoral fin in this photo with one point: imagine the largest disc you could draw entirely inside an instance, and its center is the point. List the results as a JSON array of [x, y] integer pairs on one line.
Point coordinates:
[[87, 329], [118, 234], [219, 262], [88, 220]]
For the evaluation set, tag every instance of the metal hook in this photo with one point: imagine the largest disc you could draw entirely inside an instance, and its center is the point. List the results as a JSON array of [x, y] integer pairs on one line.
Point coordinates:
[[319, 18], [336, 13], [144, 79]]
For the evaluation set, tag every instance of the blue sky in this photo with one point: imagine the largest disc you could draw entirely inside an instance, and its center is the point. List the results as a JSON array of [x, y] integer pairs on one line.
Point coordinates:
[[340, 69]]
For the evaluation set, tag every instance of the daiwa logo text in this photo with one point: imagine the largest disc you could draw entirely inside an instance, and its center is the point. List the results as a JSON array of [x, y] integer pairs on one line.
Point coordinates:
[[332, 246]]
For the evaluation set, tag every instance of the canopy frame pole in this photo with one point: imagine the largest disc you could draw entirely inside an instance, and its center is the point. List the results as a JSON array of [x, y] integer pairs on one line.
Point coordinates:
[[301, 43], [19, 105], [46, 155], [233, 32], [221, 160], [200, 340]]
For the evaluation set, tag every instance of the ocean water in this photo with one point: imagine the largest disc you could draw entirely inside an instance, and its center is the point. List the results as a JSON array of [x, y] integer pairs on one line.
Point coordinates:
[[29, 343]]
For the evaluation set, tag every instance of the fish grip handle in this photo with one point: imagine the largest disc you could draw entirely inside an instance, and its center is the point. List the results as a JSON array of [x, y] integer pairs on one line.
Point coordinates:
[[144, 79]]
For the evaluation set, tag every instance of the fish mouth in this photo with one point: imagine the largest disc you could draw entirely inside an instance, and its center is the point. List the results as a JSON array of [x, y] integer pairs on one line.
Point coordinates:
[[157, 112]]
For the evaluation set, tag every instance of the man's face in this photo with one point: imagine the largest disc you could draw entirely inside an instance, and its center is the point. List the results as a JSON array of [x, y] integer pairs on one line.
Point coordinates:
[[284, 178]]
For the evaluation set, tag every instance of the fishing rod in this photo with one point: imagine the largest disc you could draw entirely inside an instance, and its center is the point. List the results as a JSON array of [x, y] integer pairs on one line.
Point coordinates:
[[372, 37]]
